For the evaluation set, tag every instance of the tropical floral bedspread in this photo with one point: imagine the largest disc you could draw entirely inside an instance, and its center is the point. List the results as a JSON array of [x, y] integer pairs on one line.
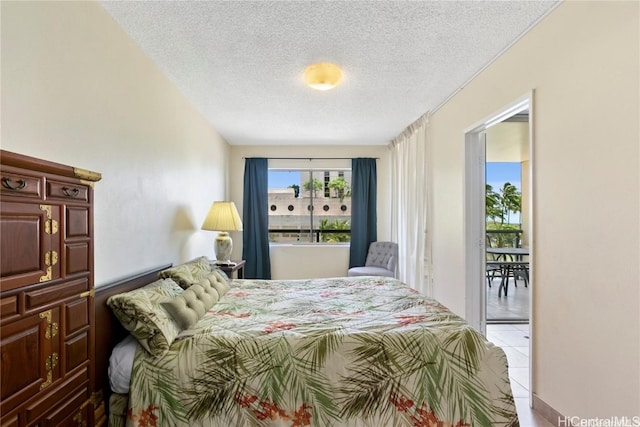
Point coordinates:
[[324, 352]]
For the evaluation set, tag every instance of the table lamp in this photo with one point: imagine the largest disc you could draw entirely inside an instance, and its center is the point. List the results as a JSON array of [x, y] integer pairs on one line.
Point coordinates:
[[223, 217]]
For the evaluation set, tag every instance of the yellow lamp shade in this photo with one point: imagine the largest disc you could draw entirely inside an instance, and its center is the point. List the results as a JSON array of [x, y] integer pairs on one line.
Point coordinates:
[[223, 217]]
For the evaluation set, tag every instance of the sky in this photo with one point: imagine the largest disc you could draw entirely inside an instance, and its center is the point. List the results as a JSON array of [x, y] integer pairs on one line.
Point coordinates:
[[283, 179], [497, 173]]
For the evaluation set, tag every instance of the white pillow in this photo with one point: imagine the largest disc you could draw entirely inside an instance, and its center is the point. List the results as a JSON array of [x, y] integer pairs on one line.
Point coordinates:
[[121, 364]]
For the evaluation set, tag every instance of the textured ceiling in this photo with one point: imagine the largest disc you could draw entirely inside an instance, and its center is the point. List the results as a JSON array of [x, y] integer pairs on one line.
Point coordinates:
[[241, 62]]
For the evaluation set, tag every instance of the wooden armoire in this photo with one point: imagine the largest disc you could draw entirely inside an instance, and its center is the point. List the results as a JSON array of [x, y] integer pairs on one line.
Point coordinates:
[[46, 293]]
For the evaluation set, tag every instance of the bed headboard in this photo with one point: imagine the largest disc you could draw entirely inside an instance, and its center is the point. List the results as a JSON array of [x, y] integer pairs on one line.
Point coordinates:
[[109, 331]]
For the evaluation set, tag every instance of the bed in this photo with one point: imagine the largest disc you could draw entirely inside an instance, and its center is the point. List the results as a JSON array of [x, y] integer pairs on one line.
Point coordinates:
[[361, 351]]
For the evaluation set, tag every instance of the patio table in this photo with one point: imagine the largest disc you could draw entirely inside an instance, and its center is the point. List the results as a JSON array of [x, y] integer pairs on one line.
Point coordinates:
[[510, 261], [512, 253]]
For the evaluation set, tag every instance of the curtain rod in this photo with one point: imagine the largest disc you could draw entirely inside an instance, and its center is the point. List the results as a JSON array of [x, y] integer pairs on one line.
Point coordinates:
[[311, 158]]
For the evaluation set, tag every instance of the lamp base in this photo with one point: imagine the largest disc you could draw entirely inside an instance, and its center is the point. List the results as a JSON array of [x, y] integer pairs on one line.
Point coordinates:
[[223, 246]]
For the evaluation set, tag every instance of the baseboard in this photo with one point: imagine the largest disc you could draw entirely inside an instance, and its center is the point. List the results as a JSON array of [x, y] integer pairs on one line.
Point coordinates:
[[550, 414]]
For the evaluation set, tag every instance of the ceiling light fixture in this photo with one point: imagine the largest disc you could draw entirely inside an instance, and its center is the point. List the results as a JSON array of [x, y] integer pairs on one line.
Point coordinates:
[[323, 75]]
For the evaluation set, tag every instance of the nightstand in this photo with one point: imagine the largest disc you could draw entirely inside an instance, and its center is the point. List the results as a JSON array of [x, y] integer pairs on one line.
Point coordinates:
[[238, 268]]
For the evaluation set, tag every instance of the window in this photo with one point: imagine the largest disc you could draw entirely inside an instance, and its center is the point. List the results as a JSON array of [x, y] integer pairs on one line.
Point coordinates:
[[327, 180], [311, 206]]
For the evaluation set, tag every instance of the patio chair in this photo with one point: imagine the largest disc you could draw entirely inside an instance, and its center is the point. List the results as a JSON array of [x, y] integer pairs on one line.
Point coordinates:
[[382, 259], [492, 269]]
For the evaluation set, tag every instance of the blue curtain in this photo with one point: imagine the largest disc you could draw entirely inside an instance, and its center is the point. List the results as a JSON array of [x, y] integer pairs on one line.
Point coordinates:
[[364, 184], [255, 217]]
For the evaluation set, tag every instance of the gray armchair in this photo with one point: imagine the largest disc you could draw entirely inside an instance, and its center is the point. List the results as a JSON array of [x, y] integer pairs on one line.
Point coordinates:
[[382, 259]]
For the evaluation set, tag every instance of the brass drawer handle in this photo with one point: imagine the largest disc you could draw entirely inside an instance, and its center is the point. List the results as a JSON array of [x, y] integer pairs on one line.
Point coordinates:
[[70, 192], [8, 183], [90, 293]]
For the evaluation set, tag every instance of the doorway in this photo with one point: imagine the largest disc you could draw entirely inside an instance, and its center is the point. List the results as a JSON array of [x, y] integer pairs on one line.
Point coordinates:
[[477, 154], [507, 214], [481, 146]]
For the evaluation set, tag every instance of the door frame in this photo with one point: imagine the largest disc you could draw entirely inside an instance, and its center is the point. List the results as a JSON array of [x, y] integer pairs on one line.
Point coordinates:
[[474, 217]]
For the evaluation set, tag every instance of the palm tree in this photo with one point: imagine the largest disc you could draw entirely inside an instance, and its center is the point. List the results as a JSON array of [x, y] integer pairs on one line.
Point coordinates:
[[510, 200], [493, 209], [341, 187], [323, 225], [335, 225], [340, 237], [296, 190], [312, 185]]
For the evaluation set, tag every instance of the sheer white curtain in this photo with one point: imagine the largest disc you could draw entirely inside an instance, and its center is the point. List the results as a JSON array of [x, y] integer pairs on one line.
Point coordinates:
[[410, 205]]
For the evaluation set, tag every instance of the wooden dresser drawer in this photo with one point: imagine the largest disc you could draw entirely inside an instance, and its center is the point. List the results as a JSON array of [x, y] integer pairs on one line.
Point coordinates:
[[26, 237], [67, 191], [17, 184], [30, 350], [75, 412], [10, 421], [50, 294], [60, 397], [77, 257], [23, 369], [77, 315], [76, 351], [77, 224], [9, 306]]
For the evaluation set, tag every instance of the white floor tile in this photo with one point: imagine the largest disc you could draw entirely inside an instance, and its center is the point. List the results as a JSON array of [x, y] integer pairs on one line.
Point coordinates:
[[501, 327], [520, 375], [522, 327], [491, 336], [527, 416], [518, 390], [524, 412], [512, 338], [523, 350], [516, 358]]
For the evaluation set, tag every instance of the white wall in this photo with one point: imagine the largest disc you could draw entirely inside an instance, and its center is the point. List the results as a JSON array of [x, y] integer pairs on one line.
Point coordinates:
[[300, 261], [306, 261], [508, 142], [76, 90], [583, 63]]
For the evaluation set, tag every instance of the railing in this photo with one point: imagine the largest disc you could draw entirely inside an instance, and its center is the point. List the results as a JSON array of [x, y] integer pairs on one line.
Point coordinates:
[[304, 233], [504, 238]]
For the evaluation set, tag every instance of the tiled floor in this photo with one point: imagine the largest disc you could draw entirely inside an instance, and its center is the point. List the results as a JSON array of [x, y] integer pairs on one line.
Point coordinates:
[[513, 307], [514, 340]]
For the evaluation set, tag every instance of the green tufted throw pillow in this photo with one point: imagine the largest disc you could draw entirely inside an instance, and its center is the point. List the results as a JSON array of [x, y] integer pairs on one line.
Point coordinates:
[[191, 305], [219, 281]]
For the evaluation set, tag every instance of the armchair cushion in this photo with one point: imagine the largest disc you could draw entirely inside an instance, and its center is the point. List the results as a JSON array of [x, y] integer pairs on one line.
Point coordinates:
[[382, 258], [370, 271]]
